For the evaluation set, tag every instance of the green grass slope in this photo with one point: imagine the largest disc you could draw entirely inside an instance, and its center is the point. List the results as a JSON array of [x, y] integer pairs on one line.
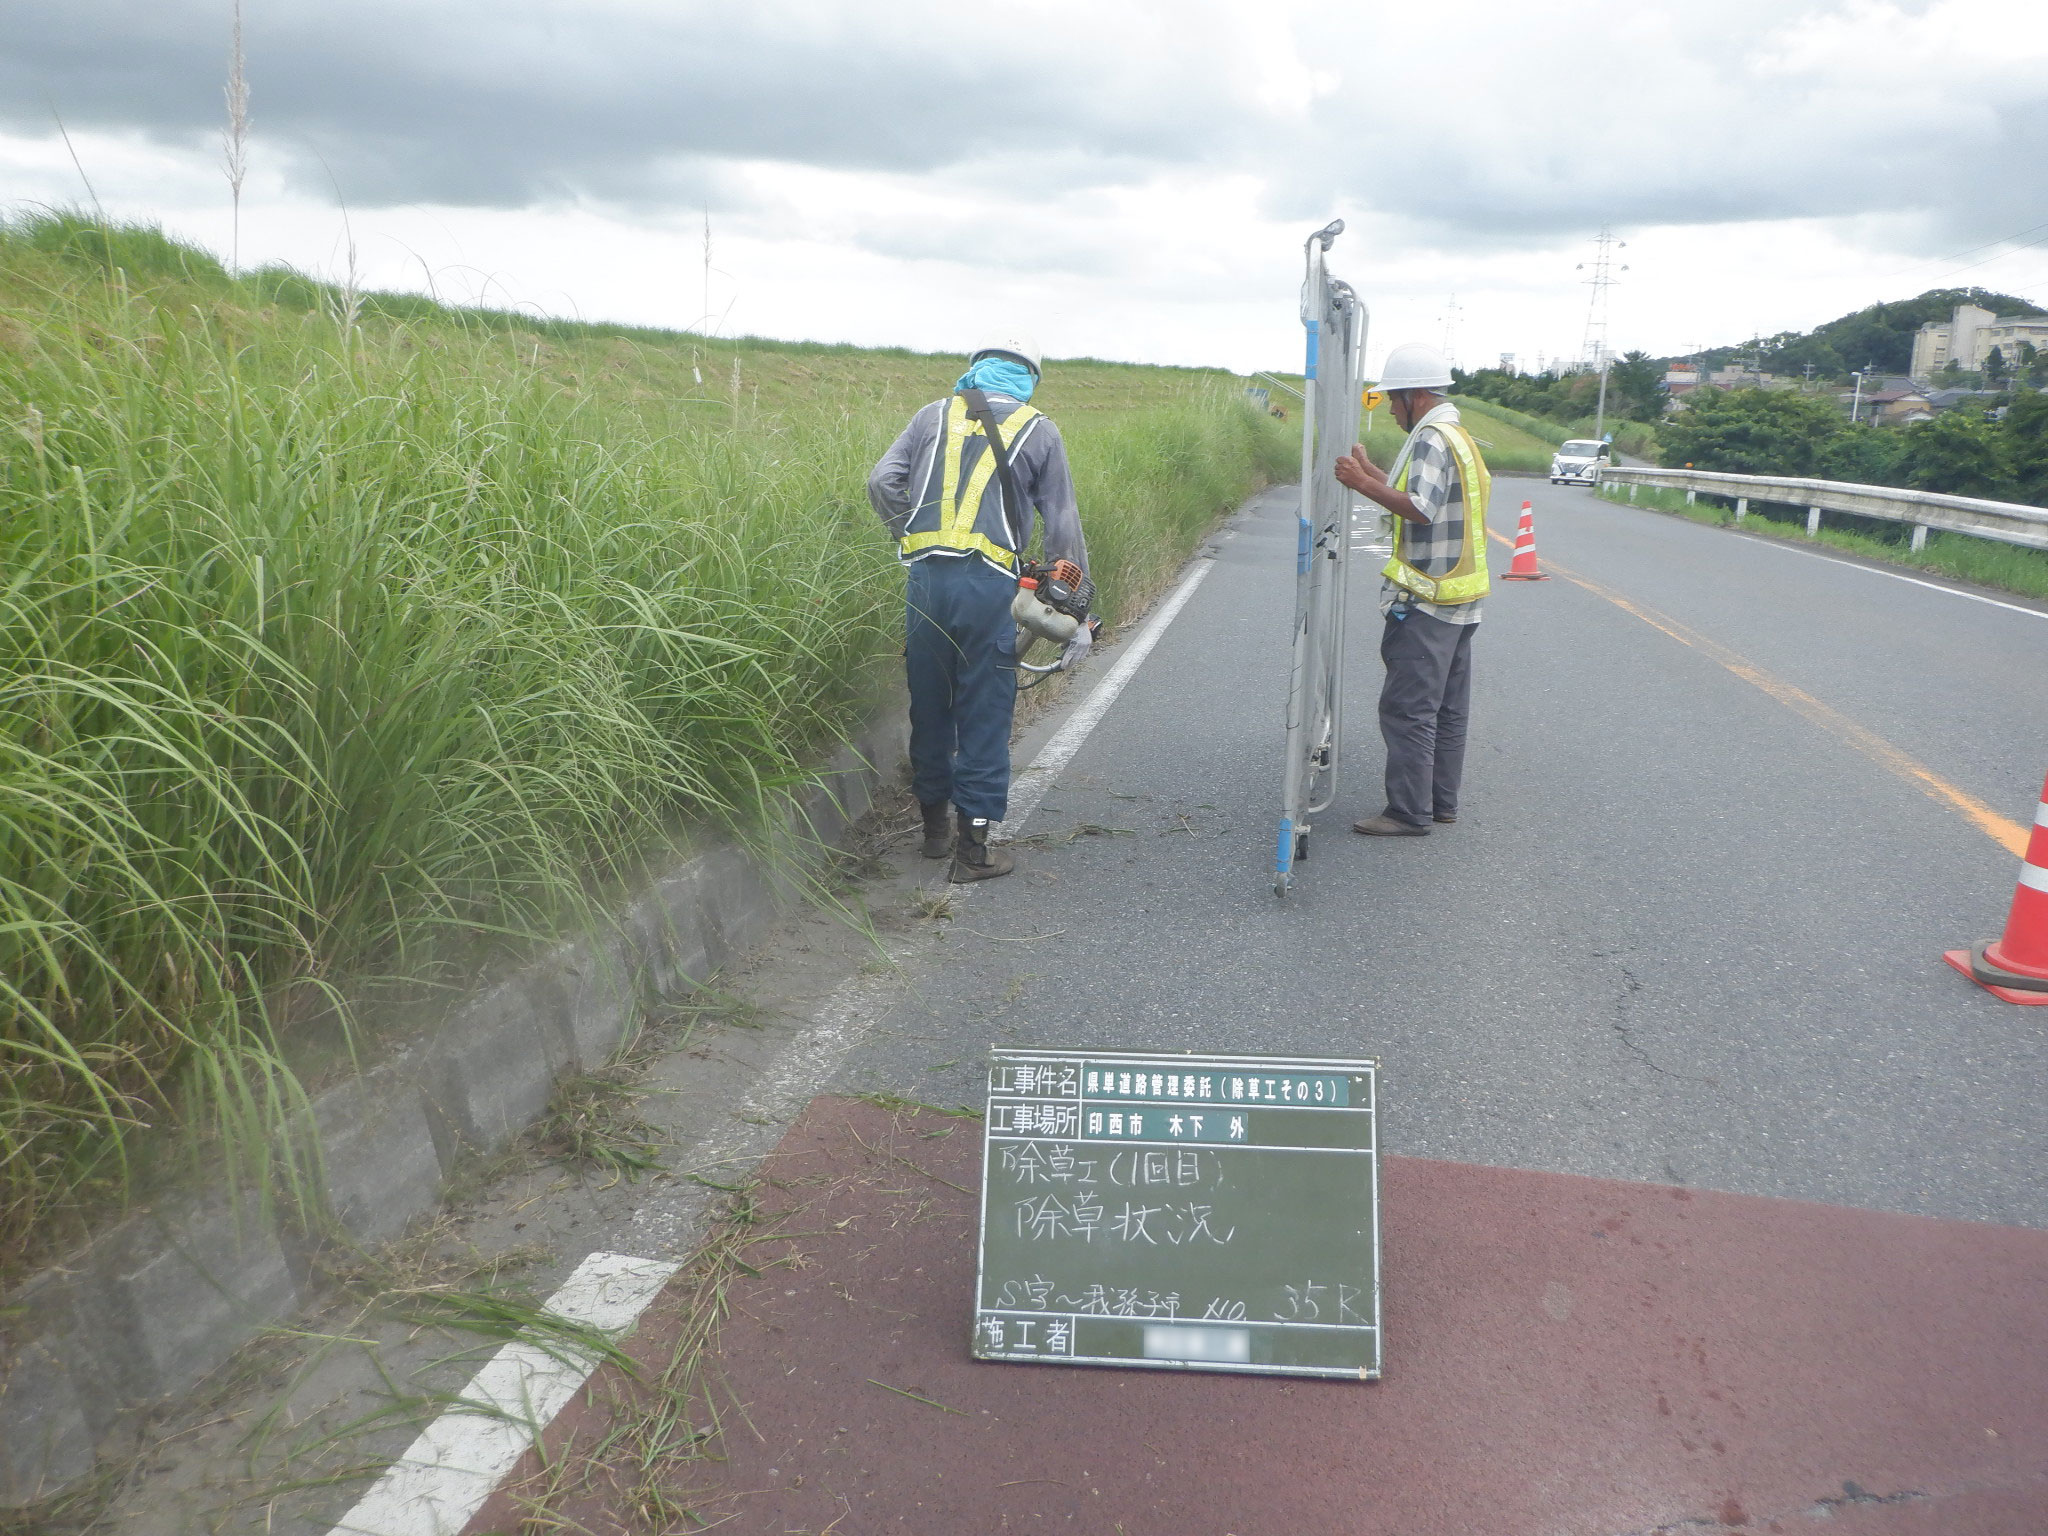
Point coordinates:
[[347, 638]]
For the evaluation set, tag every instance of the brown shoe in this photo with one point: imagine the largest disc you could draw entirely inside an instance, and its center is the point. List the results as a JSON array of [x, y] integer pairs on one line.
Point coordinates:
[[1387, 826], [1444, 821], [973, 858]]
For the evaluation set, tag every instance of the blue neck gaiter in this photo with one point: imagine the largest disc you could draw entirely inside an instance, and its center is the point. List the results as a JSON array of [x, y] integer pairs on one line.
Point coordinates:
[[999, 376]]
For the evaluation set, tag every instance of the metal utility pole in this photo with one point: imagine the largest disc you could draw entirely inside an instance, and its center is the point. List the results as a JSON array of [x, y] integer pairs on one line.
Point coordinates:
[[1600, 415]]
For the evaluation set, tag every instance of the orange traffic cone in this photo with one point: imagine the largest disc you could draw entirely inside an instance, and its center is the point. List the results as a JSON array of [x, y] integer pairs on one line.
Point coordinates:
[[1524, 568], [2016, 966]]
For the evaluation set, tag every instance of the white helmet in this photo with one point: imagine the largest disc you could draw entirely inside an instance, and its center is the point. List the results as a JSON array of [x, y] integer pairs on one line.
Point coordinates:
[[1414, 366], [1022, 348]]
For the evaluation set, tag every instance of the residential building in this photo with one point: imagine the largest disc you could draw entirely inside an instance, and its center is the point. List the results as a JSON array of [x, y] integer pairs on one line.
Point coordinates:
[[1967, 337], [1949, 399], [2007, 332], [1897, 407]]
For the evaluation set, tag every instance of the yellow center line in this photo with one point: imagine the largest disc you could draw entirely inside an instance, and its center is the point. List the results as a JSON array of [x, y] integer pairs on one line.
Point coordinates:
[[2008, 834]]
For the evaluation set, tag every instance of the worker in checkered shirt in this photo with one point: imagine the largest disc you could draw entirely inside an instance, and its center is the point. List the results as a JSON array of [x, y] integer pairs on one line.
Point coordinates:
[[1431, 595]]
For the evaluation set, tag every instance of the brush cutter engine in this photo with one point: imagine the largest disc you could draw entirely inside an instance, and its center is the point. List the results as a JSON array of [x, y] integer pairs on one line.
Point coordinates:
[[1052, 603]]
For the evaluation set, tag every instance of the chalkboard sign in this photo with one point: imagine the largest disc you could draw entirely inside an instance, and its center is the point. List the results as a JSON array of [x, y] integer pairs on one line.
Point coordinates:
[[1216, 1213]]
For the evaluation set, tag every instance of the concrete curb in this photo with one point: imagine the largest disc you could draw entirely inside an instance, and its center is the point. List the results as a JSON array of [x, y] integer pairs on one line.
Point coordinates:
[[147, 1309]]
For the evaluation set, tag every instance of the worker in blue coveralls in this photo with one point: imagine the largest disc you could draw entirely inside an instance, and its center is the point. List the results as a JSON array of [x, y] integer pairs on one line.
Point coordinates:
[[939, 491]]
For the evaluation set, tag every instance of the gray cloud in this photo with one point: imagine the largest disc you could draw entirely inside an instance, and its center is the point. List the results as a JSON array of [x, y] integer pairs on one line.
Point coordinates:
[[477, 104], [1479, 125], [1746, 110]]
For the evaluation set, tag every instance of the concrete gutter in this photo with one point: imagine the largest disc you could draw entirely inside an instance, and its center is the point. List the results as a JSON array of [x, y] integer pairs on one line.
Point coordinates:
[[146, 1310]]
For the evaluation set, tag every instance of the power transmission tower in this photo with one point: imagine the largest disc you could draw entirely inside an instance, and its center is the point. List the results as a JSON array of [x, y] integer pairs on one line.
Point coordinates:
[[1594, 350], [1452, 310]]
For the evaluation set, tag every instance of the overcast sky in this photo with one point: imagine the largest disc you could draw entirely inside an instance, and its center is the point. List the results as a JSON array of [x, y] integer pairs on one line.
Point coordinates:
[[1125, 178]]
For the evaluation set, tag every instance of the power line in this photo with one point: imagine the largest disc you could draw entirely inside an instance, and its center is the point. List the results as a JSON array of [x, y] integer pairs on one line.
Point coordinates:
[[1970, 251], [1953, 271]]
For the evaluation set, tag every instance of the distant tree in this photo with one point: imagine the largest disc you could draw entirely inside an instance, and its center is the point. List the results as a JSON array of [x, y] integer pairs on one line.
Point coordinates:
[[2025, 430], [1560, 397], [1789, 355], [2029, 365], [1635, 386], [1995, 369], [1752, 432], [1959, 453]]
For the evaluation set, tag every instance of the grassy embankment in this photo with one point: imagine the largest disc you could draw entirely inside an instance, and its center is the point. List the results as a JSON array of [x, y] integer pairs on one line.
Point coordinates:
[[1505, 437], [1632, 439], [1983, 561], [351, 642]]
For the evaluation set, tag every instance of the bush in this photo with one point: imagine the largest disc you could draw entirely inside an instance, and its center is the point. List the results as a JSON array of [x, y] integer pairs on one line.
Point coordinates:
[[1752, 432], [1863, 455], [2026, 444], [1956, 453]]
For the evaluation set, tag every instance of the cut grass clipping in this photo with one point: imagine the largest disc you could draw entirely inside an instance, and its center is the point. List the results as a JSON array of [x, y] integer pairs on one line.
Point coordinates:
[[349, 642], [1986, 562]]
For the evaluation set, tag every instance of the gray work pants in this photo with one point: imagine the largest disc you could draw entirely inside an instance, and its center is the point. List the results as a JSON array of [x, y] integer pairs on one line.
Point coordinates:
[[1423, 709]]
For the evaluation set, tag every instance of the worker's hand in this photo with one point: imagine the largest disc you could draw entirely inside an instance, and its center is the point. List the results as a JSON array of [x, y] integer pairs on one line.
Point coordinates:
[[1357, 471], [1066, 572], [1077, 648]]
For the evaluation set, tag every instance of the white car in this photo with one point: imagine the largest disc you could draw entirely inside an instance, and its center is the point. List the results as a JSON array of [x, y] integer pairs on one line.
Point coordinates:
[[1577, 462]]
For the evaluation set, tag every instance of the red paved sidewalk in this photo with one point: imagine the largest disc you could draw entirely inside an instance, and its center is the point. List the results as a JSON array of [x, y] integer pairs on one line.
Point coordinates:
[[1564, 1356]]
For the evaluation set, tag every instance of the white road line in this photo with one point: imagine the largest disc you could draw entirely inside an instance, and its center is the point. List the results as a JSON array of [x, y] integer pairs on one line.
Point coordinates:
[[446, 1474], [1031, 785], [1932, 586]]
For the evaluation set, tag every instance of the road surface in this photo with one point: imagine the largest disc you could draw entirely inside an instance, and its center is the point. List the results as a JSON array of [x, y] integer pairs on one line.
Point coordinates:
[[1716, 833]]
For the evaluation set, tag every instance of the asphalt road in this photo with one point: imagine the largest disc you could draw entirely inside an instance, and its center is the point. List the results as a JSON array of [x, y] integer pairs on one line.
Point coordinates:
[[1688, 928]]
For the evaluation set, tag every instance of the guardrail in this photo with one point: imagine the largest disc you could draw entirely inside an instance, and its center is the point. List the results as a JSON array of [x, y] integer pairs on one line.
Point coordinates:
[[2006, 521]]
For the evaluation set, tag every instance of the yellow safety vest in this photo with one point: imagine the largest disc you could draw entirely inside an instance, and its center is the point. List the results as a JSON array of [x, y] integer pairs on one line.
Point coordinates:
[[1467, 581], [955, 514]]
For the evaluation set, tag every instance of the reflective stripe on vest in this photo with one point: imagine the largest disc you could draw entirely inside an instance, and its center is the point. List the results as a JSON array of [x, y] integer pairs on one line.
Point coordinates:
[[965, 519], [1467, 581]]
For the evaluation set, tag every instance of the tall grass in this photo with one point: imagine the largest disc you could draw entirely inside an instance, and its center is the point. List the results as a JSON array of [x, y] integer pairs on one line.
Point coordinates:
[[348, 646]]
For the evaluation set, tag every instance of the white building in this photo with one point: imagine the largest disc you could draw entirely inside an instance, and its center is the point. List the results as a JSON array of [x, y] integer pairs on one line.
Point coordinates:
[[1967, 337], [2007, 332]]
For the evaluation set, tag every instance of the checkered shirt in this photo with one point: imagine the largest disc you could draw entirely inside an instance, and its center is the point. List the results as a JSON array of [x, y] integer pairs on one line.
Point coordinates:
[[1434, 487]]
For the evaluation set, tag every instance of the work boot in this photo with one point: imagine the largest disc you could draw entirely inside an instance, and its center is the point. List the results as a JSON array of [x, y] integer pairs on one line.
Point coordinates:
[[973, 859], [938, 830], [1387, 826]]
